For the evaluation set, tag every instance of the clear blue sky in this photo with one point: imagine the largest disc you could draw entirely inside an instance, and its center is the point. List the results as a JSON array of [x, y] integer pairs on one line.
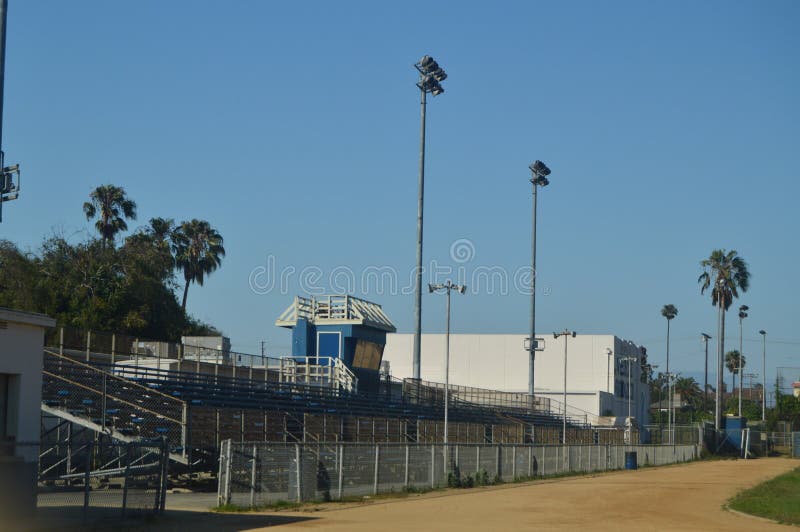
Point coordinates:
[[672, 128]]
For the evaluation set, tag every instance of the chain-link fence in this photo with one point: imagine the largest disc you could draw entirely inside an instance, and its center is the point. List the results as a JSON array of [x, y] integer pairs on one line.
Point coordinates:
[[263, 473], [95, 479], [677, 434]]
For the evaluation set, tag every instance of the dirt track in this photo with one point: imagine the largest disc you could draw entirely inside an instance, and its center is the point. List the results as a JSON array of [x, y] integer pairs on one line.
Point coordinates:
[[686, 497]]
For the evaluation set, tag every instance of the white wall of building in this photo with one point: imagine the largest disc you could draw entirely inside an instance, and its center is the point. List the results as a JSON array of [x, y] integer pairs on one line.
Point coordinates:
[[596, 382], [21, 349]]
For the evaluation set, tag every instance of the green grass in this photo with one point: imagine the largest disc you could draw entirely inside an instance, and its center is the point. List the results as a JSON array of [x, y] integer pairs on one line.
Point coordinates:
[[777, 499]]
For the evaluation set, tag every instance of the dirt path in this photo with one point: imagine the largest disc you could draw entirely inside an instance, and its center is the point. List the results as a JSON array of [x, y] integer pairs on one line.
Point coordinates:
[[671, 498]]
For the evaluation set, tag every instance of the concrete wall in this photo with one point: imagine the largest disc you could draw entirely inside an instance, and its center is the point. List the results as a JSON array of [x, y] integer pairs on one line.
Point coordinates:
[[596, 382]]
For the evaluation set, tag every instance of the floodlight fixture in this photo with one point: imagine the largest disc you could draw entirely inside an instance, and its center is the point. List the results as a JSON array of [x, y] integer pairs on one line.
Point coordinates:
[[762, 332]]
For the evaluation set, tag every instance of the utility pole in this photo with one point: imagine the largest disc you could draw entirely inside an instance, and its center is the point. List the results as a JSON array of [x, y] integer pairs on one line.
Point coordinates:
[[742, 315], [763, 334]]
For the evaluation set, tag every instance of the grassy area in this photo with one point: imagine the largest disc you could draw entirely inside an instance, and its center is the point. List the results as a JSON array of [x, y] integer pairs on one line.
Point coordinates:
[[777, 499]]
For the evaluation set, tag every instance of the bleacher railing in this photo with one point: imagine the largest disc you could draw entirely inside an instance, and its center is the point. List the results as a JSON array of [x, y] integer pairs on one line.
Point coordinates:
[[111, 404]]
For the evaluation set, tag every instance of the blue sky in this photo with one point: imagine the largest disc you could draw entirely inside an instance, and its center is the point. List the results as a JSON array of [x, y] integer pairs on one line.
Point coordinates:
[[671, 128]]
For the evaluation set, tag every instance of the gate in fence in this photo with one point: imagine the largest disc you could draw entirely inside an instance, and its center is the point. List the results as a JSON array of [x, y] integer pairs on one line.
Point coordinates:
[[254, 474], [101, 477]]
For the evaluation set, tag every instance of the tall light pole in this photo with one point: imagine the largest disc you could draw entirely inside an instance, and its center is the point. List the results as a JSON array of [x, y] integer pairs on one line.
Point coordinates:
[[763, 334], [609, 356], [742, 315], [566, 334], [430, 77], [670, 427], [8, 190], [539, 173], [705, 338], [447, 288], [669, 312]]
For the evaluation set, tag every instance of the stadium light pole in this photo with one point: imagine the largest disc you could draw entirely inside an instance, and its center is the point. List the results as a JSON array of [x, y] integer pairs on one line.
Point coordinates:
[[763, 334], [430, 77], [447, 288], [705, 338], [566, 334], [8, 190], [629, 423], [539, 173], [742, 315]]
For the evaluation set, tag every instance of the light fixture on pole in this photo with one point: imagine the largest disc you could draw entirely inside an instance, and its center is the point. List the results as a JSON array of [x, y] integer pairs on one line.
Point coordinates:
[[705, 338], [609, 356], [763, 334], [539, 173], [447, 288], [742, 315], [430, 78], [566, 334]]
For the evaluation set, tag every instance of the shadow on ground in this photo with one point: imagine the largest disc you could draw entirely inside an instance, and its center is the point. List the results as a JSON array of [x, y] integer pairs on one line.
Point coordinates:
[[71, 520]]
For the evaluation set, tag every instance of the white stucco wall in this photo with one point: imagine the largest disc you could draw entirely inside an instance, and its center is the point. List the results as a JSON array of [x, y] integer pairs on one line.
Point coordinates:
[[21, 347], [500, 362]]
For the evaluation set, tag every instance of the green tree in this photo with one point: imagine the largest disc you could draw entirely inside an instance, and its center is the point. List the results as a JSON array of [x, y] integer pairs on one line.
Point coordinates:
[[725, 273], [111, 206], [198, 252], [689, 390]]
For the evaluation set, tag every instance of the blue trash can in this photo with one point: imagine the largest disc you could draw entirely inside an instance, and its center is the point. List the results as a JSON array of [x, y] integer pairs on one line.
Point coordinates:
[[630, 460]]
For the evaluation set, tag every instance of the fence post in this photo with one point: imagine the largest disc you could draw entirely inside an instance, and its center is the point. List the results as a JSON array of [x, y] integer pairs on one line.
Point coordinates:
[[478, 459], [88, 344], [103, 404], [377, 461], [341, 470], [125, 480], [405, 478], [113, 348], [61, 341], [497, 460], [433, 465], [87, 478], [224, 473], [253, 478], [530, 461], [164, 474], [513, 462], [299, 475]]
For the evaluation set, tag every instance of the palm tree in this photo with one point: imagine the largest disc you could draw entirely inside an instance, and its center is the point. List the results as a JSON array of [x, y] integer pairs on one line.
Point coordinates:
[[734, 362], [669, 312], [198, 252], [725, 273], [689, 390], [161, 229], [110, 204]]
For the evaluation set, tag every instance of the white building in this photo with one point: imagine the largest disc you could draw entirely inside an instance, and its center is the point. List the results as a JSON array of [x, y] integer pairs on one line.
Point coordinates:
[[21, 349], [597, 374]]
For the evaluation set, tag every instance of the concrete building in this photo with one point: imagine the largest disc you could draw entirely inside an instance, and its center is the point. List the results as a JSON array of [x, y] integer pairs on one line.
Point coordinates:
[[21, 349], [597, 375]]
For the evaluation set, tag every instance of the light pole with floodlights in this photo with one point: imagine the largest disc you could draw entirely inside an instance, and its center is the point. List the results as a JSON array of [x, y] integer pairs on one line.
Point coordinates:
[[430, 78], [539, 173], [763, 334], [447, 288], [742, 315], [705, 338], [566, 334]]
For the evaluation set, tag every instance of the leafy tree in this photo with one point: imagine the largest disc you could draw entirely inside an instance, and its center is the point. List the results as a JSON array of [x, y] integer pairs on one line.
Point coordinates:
[[725, 273], [198, 252], [111, 206], [690, 391]]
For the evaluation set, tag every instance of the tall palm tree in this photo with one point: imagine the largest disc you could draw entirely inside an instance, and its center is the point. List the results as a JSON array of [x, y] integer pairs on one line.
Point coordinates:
[[689, 390], [161, 229], [734, 361], [111, 206], [669, 312], [198, 252], [726, 273]]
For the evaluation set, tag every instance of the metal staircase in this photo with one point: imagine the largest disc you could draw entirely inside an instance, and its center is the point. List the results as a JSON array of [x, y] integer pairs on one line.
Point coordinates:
[[113, 406]]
